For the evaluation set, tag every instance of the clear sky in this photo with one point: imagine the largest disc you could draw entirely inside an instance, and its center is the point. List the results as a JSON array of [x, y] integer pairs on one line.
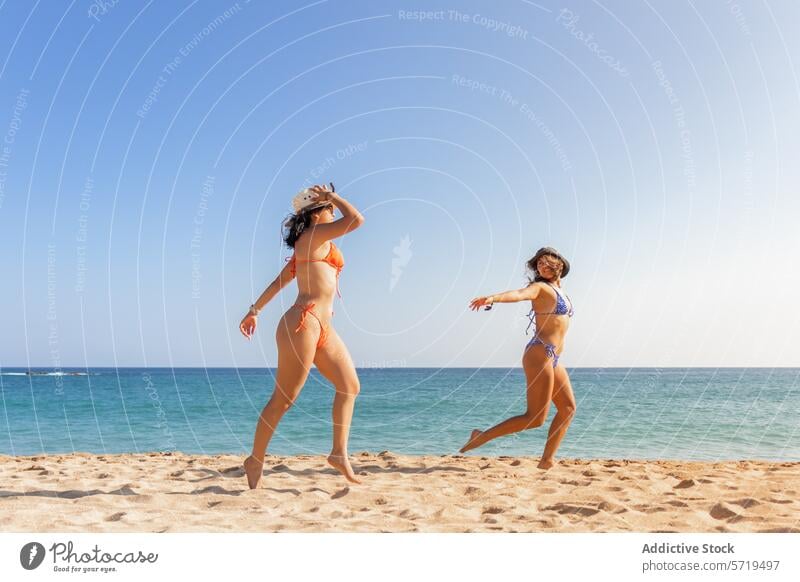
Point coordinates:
[[149, 152]]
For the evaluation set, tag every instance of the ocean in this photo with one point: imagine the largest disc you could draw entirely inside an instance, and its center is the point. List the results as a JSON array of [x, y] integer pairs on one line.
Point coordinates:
[[705, 414]]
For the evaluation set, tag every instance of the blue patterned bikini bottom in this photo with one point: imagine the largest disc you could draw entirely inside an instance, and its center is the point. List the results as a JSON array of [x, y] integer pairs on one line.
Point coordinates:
[[549, 349]]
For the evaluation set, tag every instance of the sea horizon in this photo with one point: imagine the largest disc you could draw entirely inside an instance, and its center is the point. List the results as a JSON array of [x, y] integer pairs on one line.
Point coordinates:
[[75, 368], [708, 414]]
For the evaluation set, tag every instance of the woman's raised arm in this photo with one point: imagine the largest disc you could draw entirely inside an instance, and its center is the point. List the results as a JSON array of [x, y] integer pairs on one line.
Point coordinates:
[[351, 218]]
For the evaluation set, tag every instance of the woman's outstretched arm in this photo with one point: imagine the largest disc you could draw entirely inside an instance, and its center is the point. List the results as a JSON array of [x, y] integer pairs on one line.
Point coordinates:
[[528, 293]]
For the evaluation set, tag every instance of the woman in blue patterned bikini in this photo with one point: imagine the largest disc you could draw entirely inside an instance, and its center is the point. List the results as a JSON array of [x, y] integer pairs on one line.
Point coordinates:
[[546, 380]]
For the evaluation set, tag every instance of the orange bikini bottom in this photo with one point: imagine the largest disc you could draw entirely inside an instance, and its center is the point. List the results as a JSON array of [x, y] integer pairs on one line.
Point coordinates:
[[309, 308]]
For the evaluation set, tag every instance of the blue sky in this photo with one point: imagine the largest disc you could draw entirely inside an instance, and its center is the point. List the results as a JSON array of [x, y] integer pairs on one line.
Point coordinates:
[[150, 151]]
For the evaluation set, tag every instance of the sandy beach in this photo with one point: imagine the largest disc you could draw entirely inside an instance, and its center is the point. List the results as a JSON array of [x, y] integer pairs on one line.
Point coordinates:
[[176, 492]]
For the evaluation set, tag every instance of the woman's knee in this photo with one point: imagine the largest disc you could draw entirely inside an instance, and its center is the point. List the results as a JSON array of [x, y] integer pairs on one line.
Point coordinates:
[[351, 388], [282, 400], [535, 419], [568, 409]]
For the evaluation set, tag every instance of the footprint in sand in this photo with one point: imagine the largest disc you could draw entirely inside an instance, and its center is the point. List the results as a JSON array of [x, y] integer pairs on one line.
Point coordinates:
[[493, 510], [676, 503], [649, 508], [611, 507], [380, 501], [116, 516], [215, 489], [747, 502], [685, 484], [341, 493], [721, 511], [472, 491], [316, 489], [567, 509]]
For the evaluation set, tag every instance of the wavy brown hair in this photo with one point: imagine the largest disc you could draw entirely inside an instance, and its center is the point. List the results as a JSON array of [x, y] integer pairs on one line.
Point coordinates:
[[555, 263], [297, 224]]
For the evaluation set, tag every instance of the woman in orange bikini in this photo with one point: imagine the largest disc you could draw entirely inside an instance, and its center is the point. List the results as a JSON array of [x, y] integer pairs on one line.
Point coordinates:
[[305, 334], [551, 310]]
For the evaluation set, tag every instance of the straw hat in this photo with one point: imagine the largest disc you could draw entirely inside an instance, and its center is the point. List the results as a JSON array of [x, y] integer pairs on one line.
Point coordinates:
[[306, 200]]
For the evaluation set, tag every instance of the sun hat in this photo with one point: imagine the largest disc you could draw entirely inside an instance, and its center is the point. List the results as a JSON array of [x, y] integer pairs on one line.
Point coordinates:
[[551, 251], [306, 198]]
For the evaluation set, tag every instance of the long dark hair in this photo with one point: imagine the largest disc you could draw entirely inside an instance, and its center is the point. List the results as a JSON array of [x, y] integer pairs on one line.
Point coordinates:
[[556, 263], [296, 224]]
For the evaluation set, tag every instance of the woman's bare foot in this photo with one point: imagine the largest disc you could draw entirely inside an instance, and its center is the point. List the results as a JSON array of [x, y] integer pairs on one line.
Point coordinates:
[[253, 468], [342, 464], [471, 442], [545, 463]]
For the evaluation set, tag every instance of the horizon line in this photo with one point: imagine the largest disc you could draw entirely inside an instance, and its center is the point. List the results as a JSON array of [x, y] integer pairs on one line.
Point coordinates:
[[397, 367]]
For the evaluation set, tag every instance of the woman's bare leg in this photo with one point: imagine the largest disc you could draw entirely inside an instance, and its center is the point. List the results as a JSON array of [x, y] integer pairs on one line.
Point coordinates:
[[295, 356], [334, 362], [564, 399], [539, 379]]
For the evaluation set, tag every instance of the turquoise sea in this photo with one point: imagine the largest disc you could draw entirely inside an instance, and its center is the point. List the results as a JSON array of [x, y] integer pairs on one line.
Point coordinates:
[[632, 413]]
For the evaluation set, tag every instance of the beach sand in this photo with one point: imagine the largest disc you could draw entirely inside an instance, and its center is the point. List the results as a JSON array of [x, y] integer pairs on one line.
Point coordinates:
[[176, 492]]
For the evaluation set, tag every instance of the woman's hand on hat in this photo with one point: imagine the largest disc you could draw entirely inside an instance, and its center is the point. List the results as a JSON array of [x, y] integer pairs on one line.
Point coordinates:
[[322, 193]]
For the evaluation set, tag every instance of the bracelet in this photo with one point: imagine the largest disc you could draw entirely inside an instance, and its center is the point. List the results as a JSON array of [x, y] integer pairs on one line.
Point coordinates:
[[253, 310]]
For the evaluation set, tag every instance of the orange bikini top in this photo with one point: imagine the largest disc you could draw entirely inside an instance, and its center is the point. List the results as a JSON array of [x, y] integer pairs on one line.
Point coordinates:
[[334, 258]]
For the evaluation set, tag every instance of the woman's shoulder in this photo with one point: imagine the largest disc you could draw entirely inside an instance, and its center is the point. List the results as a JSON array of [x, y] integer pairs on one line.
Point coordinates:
[[538, 285], [307, 244]]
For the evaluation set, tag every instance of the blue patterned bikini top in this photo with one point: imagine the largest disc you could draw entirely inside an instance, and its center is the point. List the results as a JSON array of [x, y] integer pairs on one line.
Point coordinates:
[[561, 308]]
